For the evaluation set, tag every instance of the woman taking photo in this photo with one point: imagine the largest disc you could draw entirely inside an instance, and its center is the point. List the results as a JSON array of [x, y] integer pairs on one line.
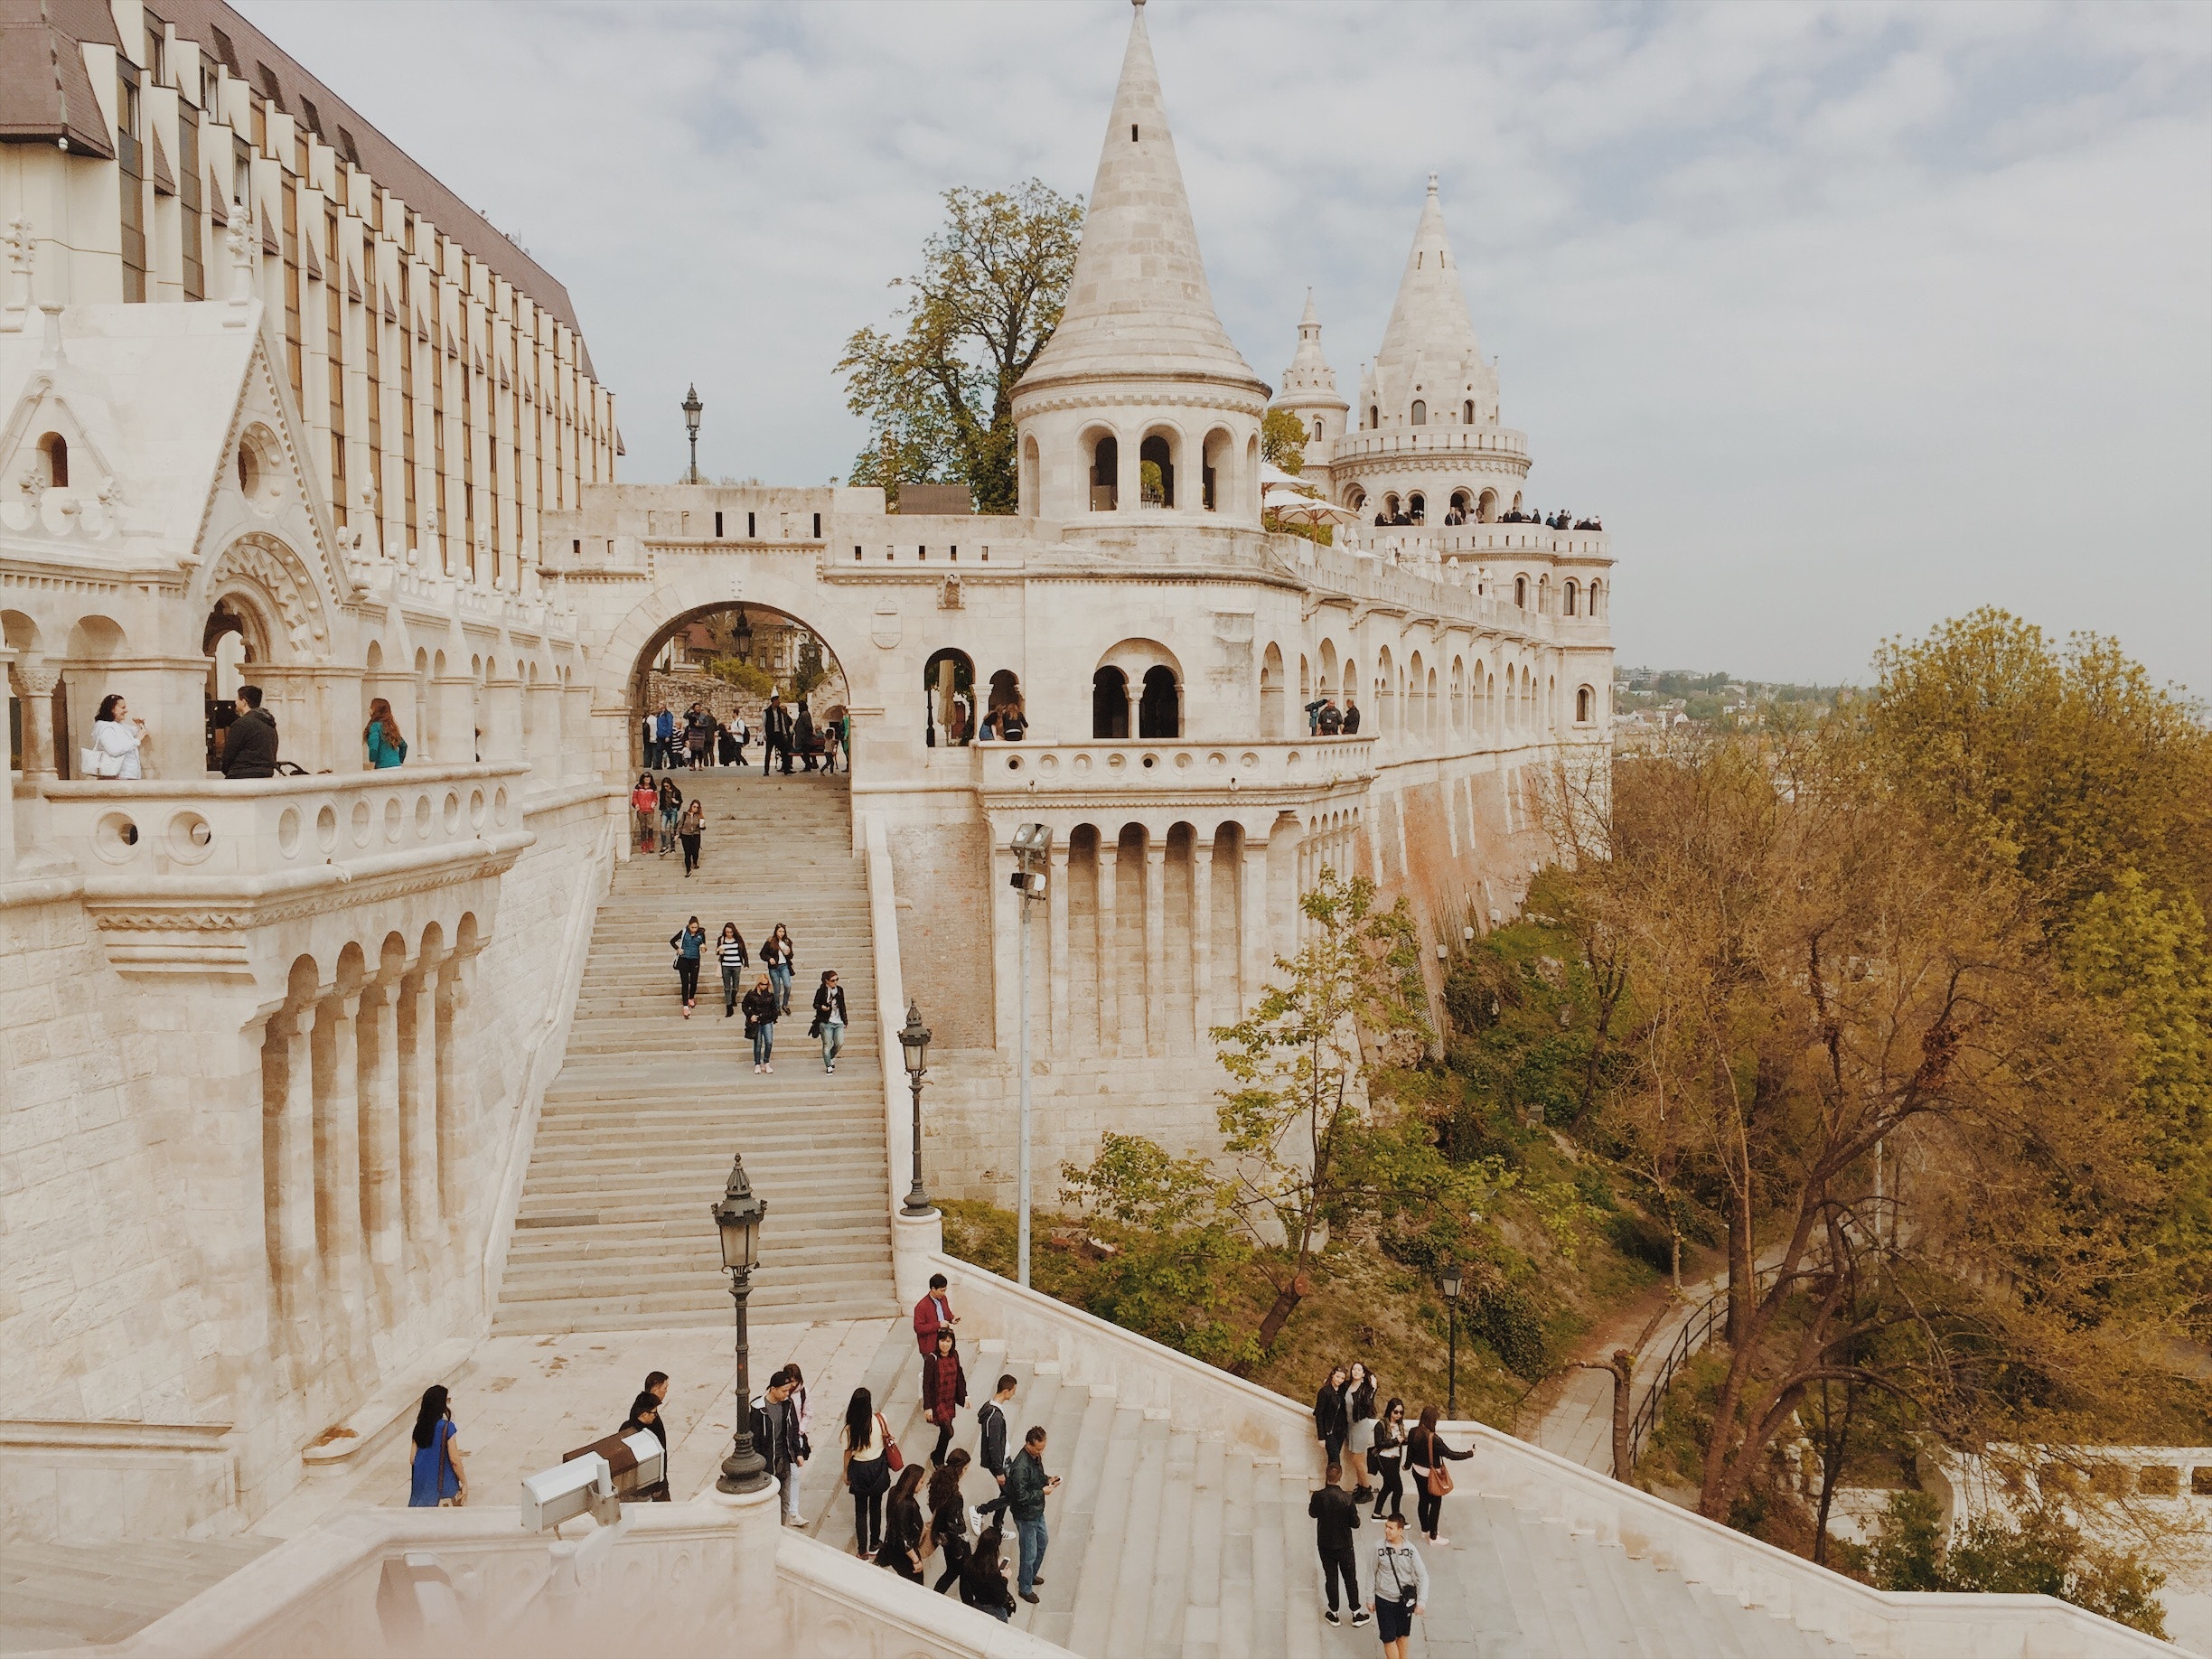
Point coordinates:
[[1386, 1461], [116, 738], [730, 950], [1427, 1460], [865, 1471], [438, 1480], [760, 1014], [380, 738], [778, 956], [830, 1017], [688, 942]]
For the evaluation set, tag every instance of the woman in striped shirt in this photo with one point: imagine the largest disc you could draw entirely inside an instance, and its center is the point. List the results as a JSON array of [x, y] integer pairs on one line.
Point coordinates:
[[730, 950]]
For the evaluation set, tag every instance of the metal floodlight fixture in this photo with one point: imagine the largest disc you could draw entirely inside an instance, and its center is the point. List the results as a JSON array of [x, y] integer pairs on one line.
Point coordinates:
[[738, 1218], [914, 1039], [1033, 841], [1452, 1283], [582, 1486]]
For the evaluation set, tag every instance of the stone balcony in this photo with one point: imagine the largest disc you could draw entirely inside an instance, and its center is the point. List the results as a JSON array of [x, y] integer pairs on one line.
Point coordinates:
[[1475, 541], [1440, 440], [187, 877], [1168, 770]]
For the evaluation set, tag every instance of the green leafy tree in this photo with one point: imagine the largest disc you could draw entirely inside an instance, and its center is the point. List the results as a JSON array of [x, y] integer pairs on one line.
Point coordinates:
[[749, 678], [938, 395], [1283, 441], [2036, 1552], [810, 669]]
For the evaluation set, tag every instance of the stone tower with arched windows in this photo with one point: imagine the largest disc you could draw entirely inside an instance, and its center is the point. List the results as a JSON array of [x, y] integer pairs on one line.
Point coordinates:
[[1140, 403], [1309, 388]]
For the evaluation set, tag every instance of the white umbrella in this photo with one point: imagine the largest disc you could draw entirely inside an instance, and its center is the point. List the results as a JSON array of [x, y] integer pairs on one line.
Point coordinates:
[[1307, 510]]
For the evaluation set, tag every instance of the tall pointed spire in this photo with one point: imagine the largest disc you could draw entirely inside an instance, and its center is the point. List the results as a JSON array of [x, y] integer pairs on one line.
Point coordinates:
[[1310, 370], [1429, 354], [1139, 305]]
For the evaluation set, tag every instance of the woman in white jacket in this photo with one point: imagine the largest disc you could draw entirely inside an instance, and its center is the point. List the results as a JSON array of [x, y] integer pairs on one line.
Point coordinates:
[[116, 738]]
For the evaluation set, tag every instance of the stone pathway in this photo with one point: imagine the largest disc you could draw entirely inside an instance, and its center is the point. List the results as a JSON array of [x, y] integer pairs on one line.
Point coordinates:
[[521, 1401]]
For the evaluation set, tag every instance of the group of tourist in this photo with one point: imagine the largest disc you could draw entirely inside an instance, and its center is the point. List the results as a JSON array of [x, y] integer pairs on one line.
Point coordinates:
[[1410, 517], [1379, 1450], [700, 738], [770, 999], [1325, 719]]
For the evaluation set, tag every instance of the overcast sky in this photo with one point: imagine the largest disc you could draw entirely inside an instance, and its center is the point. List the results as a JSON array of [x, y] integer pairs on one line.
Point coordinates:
[[1847, 318]]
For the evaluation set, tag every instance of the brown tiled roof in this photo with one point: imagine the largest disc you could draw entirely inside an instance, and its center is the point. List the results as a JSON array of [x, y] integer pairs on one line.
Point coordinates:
[[216, 26], [45, 94]]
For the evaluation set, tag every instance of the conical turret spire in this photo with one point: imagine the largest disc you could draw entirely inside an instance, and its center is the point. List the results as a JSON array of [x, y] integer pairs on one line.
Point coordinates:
[[1138, 304], [1309, 370], [1430, 322]]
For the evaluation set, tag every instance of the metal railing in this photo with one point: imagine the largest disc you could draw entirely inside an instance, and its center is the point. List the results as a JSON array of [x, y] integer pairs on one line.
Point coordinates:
[[1689, 1342]]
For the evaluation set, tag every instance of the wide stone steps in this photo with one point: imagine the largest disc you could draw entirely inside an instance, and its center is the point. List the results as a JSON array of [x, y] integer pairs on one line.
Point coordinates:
[[1170, 1544], [65, 1596], [635, 1136]]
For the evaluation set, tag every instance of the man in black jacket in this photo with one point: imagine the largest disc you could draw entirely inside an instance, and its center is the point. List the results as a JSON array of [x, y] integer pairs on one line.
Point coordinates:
[[990, 1419], [776, 1436], [249, 747], [775, 735], [1335, 1516], [1351, 716]]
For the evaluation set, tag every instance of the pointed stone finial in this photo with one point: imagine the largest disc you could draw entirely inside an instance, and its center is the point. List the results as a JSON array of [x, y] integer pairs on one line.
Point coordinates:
[[241, 238], [15, 311], [1432, 183]]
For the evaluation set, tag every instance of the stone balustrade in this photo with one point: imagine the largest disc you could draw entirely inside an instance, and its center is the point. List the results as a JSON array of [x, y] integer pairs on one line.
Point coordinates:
[[1477, 540], [1172, 766], [1504, 441]]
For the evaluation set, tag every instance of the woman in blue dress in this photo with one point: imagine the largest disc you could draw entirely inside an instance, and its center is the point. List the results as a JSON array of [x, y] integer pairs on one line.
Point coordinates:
[[438, 1482]]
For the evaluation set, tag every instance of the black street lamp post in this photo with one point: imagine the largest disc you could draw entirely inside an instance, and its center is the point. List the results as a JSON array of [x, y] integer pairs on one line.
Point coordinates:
[[913, 1039], [738, 1218], [691, 408], [1451, 1306]]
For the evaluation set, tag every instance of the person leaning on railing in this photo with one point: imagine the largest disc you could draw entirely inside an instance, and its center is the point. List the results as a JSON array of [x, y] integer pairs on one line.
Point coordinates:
[[250, 745]]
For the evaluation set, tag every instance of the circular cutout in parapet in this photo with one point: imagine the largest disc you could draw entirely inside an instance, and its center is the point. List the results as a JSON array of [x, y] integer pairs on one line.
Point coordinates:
[[498, 807], [1013, 763], [288, 832], [115, 838], [326, 827], [1217, 760], [452, 813], [1048, 763], [1117, 762], [1249, 759], [1182, 760], [1082, 763], [258, 468], [422, 817], [1150, 761], [191, 837], [395, 819], [477, 808], [364, 823]]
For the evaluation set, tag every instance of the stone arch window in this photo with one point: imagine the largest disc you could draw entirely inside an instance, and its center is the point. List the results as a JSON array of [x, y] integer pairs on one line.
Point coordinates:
[[1597, 592], [1352, 687], [1421, 412], [1160, 706], [1109, 705], [1459, 712], [1155, 469], [1417, 507], [1356, 498], [1431, 726], [1586, 705], [1486, 507], [53, 460], [948, 695], [1386, 693], [1327, 688], [1460, 503], [1390, 506], [1416, 710], [1468, 413], [1251, 481], [1569, 597], [1271, 694], [1030, 467], [1304, 679], [1521, 592], [1104, 469], [1319, 428], [1217, 463], [1543, 596], [1374, 418]]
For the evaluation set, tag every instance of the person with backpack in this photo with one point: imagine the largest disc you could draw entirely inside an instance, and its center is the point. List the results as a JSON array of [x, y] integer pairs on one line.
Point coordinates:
[[865, 1469], [1429, 1460], [1400, 1588], [1335, 1514], [991, 1443], [688, 942], [983, 1581]]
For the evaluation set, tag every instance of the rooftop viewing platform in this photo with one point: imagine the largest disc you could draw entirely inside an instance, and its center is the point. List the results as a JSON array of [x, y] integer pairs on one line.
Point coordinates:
[[1503, 441]]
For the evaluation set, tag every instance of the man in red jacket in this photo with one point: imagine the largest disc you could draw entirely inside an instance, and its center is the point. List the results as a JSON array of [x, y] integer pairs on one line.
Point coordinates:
[[933, 1314]]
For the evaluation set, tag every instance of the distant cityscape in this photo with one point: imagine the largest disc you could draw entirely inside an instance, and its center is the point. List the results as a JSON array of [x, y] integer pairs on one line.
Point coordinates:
[[1647, 700]]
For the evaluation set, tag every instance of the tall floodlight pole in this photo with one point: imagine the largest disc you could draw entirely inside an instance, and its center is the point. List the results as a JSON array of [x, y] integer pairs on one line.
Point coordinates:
[[1032, 853]]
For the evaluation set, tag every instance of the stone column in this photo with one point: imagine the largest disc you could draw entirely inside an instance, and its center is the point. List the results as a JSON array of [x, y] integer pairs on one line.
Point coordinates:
[[1108, 946], [503, 719], [338, 1171], [419, 1148], [454, 721], [1202, 939], [1057, 912], [452, 1194], [291, 1177], [7, 797], [382, 1212], [1156, 945], [36, 686], [1252, 916]]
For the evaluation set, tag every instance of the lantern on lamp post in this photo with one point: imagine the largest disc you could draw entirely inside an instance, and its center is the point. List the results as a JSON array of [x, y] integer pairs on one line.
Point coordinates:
[[738, 1217], [1452, 1283], [691, 408], [913, 1041]]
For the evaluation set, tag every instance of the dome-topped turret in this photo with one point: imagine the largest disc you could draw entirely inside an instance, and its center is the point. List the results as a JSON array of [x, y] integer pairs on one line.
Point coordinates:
[[1139, 401]]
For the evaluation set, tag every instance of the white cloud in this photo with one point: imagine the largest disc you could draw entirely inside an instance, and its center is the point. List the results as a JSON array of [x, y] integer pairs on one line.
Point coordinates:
[[1847, 317]]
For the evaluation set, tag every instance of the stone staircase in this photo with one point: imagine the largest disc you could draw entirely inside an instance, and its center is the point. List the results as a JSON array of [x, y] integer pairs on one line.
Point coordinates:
[[1170, 1544], [638, 1128], [63, 1596]]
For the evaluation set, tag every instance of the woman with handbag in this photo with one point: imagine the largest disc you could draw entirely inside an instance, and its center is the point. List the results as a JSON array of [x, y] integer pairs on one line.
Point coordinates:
[[438, 1480], [1429, 1460], [1386, 1458], [730, 950], [116, 738], [906, 1540], [760, 1014], [779, 956], [871, 1457], [1400, 1582], [948, 1520]]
